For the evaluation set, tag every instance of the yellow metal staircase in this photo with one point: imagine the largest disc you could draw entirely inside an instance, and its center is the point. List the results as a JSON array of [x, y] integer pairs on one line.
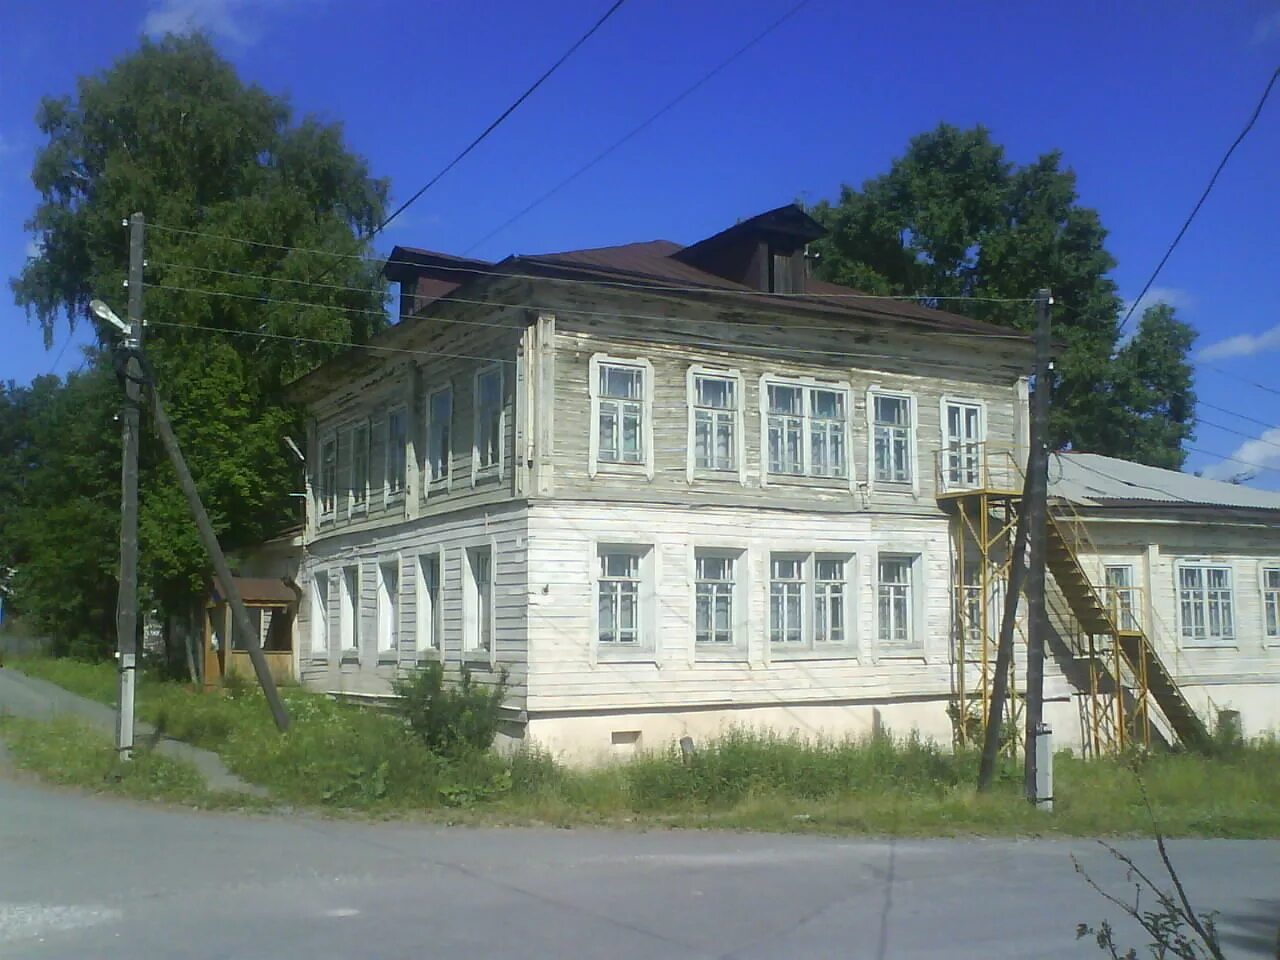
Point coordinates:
[[1125, 672]]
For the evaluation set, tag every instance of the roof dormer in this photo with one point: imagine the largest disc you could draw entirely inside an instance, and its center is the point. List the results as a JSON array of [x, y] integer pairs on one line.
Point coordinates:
[[765, 252]]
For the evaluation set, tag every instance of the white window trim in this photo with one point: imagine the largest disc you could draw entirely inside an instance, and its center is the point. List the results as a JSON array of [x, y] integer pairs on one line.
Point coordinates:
[[1268, 640], [738, 649], [430, 482], [494, 469], [1137, 614], [332, 511], [350, 430], [319, 625], [434, 650], [913, 439], [388, 496], [1208, 643], [806, 478], [646, 650], [916, 647], [472, 652], [646, 464], [809, 649], [692, 470], [347, 654], [947, 400], [388, 654]]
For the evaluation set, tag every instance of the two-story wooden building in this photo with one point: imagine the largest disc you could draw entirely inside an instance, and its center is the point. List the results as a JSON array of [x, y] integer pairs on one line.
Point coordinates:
[[665, 488]]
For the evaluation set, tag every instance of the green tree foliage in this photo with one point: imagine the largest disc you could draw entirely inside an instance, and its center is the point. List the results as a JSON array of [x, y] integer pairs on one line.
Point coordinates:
[[954, 217], [171, 131]]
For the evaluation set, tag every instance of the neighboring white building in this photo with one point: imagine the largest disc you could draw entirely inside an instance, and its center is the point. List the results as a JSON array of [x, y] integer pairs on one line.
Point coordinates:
[[1195, 564], [666, 489]]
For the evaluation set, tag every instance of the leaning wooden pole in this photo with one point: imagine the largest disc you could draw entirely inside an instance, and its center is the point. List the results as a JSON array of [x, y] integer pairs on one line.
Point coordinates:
[[994, 719], [220, 566]]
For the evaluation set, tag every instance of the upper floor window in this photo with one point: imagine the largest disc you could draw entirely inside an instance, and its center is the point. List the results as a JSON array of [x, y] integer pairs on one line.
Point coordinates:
[[621, 414], [488, 424], [397, 450], [894, 444], [329, 475], [809, 601], [621, 392], [1206, 604], [439, 428], [359, 481], [715, 422], [1271, 601], [806, 430]]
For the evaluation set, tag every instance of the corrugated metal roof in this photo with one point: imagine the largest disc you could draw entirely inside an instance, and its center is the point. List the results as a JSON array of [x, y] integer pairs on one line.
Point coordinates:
[[1092, 479]]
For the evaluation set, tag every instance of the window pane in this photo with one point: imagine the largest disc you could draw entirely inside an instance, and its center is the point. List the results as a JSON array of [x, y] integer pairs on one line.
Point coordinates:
[[715, 392], [786, 399], [621, 382], [892, 411]]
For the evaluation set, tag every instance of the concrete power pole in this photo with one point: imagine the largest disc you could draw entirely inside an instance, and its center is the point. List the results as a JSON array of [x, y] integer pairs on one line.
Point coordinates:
[[127, 600], [1037, 520]]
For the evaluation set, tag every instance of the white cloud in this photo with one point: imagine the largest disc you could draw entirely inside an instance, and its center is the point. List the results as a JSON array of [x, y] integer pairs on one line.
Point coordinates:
[[1242, 345], [237, 21], [1267, 27], [1175, 297], [1262, 452]]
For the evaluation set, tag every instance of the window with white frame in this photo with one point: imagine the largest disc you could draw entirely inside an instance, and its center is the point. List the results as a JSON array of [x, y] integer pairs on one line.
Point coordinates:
[[809, 601], [479, 598], [620, 617], [1121, 595], [1271, 601], [806, 429], [329, 475], [964, 439], [349, 611], [895, 597], [715, 603], [397, 450], [388, 607], [1205, 604], [894, 438], [715, 422], [430, 612], [358, 485], [488, 420], [620, 411], [439, 430], [320, 613]]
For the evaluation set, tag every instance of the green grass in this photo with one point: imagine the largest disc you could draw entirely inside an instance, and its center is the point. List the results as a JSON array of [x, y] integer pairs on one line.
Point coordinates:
[[66, 751], [343, 757]]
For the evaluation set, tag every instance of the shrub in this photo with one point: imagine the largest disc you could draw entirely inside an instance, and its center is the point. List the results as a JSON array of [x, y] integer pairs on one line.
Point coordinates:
[[451, 719]]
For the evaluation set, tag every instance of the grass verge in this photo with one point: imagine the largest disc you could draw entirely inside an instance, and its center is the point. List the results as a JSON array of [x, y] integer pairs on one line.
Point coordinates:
[[349, 758], [66, 751]]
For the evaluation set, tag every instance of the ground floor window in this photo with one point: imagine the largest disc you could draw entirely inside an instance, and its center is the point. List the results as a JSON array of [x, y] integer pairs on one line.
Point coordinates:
[[479, 583], [809, 601], [716, 599], [895, 601]]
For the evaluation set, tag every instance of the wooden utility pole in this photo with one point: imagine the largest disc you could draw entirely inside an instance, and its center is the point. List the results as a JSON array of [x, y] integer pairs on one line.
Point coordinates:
[[1036, 507], [994, 719], [127, 599], [240, 615]]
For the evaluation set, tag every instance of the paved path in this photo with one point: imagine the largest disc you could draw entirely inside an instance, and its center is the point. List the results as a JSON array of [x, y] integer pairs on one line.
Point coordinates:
[[23, 696], [91, 877]]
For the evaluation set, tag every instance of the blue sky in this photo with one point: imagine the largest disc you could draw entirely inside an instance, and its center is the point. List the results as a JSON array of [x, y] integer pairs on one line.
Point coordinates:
[[1142, 98]]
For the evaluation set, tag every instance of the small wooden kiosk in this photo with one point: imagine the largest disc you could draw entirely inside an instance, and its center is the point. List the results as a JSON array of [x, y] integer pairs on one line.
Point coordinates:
[[273, 608]]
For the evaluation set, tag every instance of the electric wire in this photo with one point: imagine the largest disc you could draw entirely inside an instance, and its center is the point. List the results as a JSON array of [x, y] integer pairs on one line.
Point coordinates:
[[1257, 111], [657, 287], [501, 117], [643, 125]]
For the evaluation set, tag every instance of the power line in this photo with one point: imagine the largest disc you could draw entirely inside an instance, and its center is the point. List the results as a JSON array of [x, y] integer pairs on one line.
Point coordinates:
[[657, 287], [1239, 433], [448, 299], [501, 117], [687, 341], [1242, 416], [1076, 461], [671, 104], [1204, 196], [1245, 463], [1236, 376]]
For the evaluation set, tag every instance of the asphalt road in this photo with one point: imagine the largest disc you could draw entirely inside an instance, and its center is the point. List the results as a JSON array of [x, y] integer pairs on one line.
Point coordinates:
[[84, 877]]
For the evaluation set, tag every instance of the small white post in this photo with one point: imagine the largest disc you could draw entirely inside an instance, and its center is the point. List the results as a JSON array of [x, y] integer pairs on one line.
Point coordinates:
[[1044, 768]]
